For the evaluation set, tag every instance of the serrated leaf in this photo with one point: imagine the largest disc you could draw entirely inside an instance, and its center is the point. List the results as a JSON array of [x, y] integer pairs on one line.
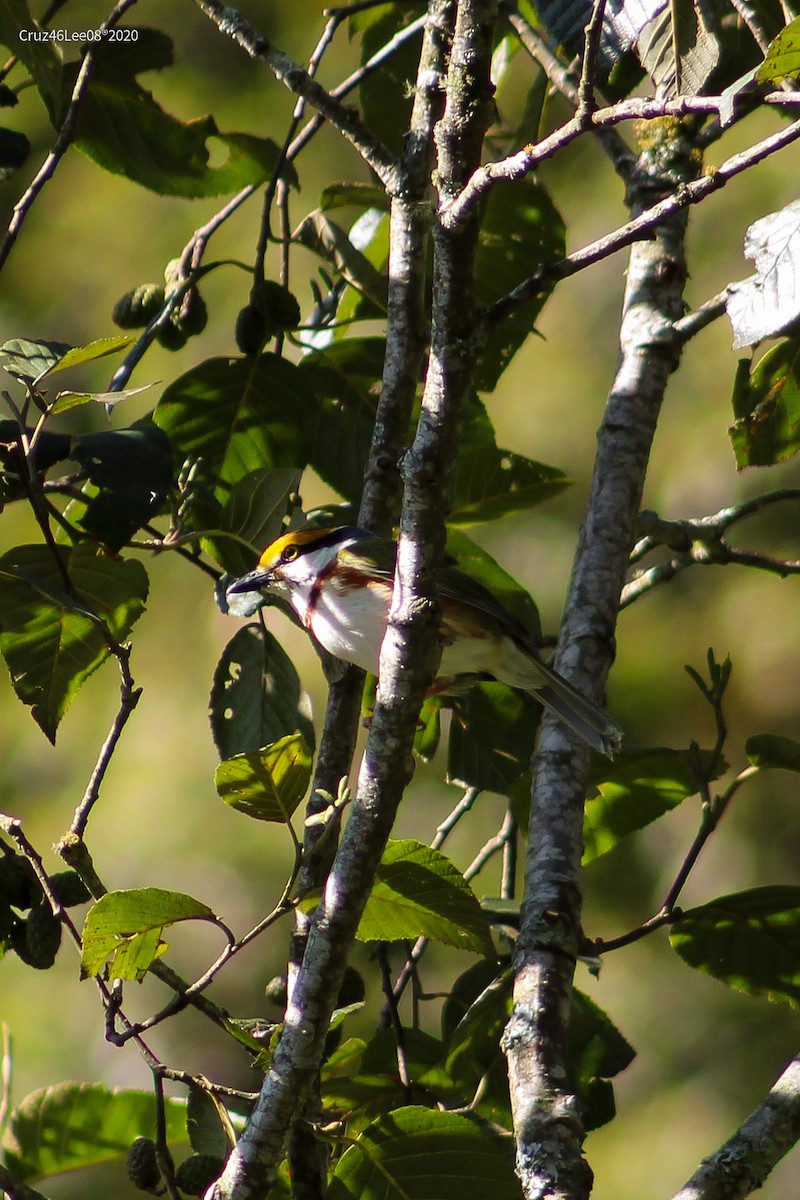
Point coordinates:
[[344, 380], [520, 225], [51, 641], [267, 784], [492, 734], [489, 482], [124, 928], [769, 301], [253, 512], [358, 195], [26, 359], [74, 1125], [256, 697], [749, 940], [766, 405], [124, 130], [637, 789], [330, 242], [204, 1123], [39, 57], [239, 415], [418, 1153], [783, 55], [419, 893], [773, 750]]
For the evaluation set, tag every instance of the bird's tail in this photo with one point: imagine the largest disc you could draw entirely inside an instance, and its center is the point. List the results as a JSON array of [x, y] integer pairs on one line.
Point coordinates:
[[588, 720]]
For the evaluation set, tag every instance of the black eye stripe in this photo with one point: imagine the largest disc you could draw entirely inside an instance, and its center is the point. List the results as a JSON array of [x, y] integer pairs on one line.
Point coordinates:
[[342, 534]]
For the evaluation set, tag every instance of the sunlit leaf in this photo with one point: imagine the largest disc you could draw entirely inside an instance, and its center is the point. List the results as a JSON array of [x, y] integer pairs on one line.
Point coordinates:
[[419, 893], [267, 784], [783, 55], [125, 929], [74, 1125], [769, 301], [766, 405], [750, 940], [635, 790]]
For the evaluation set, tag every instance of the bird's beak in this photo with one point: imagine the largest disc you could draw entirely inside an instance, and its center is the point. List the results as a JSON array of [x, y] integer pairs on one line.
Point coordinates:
[[253, 581]]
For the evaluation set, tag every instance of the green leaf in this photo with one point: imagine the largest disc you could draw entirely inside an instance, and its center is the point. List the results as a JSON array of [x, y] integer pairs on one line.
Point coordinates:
[[773, 750], [99, 348], [256, 697], [766, 405], [124, 130], [429, 727], [25, 359], [521, 229], [344, 380], [597, 1052], [470, 557], [254, 512], [204, 1123], [358, 195], [635, 790], [74, 1125], [239, 415], [40, 58], [417, 1153], [492, 735], [783, 55], [132, 468], [329, 241], [51, 641], [267, 784], [64, 401], [474, 1043], [419, 893], [491, 483], [395, 78], [124, 928], [750, 940]]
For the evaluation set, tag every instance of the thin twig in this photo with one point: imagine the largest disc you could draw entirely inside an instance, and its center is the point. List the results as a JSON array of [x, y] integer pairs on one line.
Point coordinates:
[[640, 227], [591, 50], [66, 136], [231, 22]]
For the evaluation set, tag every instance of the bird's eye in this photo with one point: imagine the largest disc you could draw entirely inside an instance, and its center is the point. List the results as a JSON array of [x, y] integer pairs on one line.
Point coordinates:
[[290, 553]]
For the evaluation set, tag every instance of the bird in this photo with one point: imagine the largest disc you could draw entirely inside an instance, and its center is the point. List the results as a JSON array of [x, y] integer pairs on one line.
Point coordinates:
[[339, 583]]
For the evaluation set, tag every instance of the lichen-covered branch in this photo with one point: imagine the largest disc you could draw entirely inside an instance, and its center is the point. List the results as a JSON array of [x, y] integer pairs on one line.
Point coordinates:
[[742, 1164], [547, 1114]]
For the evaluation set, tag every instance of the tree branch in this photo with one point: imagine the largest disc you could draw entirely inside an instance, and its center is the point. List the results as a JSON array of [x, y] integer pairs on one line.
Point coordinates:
[[231, 22], [546, 1112], [742, 1164]]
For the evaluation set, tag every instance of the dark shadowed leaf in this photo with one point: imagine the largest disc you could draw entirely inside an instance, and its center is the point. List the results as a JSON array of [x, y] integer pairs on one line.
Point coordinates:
[[132, 468], [40, 58], [750, 940], [73, 1125], [492, 733], [521, 229], [420, 1154], [490, 482], [253, 513], [240, 415], [419, 893], [52, 641], [396, 77], [256, 698], [773, 750], [766, 405]]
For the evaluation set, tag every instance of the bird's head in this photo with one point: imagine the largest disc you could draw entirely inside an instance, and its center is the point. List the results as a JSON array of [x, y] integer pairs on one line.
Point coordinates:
[[299, 558]]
